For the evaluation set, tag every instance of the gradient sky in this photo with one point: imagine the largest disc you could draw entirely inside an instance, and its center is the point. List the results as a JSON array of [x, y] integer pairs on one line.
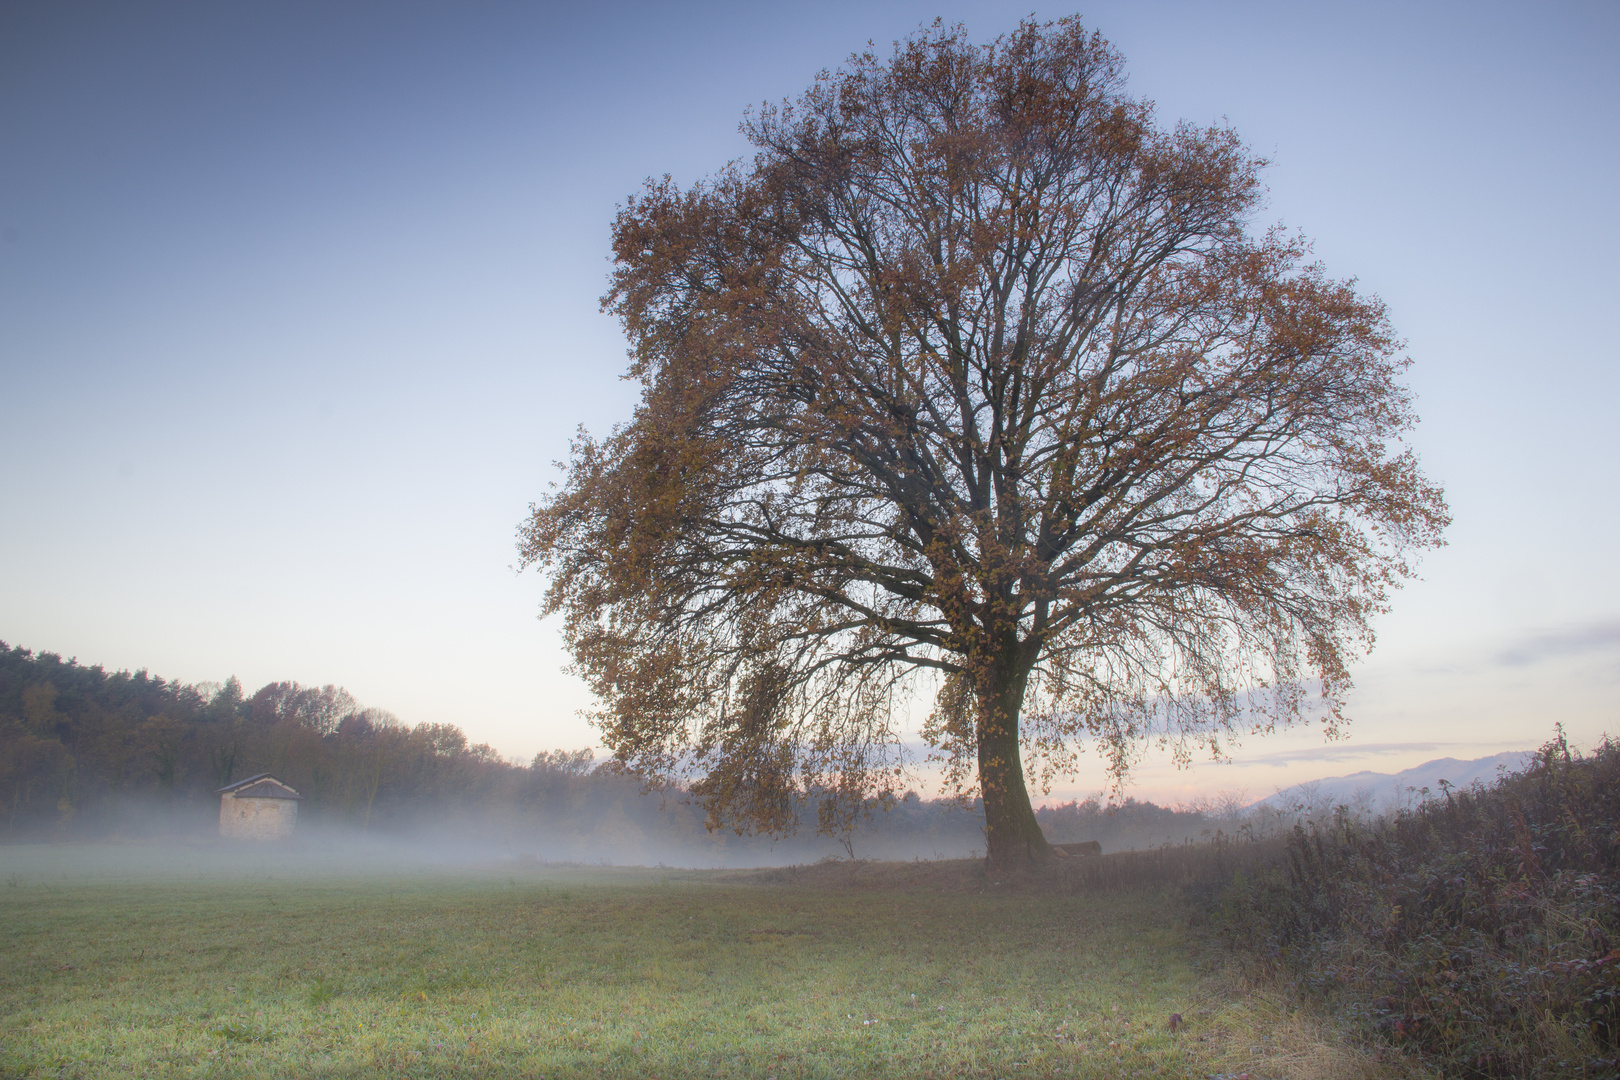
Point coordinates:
[[298, 306]]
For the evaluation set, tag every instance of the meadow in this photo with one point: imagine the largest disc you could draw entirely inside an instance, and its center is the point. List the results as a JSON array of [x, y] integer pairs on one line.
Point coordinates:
[[137, 960]]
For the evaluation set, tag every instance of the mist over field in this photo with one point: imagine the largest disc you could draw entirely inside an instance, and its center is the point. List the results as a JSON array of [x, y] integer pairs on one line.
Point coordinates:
[[609, 821], [126, 766]]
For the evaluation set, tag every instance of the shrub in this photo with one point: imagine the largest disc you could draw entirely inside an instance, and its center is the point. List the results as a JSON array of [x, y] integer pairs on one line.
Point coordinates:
[[1479, 929]]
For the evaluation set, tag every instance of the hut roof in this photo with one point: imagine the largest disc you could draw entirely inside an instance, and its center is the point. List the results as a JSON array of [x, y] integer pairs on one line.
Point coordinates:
[[262, 786]]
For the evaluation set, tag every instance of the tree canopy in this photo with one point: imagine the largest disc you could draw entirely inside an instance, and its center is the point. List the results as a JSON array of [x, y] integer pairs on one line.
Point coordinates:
[[978, 381]]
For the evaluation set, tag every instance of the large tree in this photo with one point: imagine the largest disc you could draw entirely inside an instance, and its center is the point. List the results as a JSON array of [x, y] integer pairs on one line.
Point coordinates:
[[975, 380]]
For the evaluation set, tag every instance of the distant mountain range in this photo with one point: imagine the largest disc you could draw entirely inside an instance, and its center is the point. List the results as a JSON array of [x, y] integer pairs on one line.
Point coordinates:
[[1388, 790]]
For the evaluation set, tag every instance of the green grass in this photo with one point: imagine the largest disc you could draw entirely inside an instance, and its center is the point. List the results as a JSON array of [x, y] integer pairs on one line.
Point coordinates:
[[539, 971]]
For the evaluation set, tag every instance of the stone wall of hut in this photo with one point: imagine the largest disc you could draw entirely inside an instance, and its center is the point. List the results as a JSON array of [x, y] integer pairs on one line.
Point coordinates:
[[257, 819]]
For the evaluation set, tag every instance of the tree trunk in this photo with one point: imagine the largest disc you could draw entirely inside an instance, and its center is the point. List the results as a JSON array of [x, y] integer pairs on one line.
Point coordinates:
[[1013, 838]]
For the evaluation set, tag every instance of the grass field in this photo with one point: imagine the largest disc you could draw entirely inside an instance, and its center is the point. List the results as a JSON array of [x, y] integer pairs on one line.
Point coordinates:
[[140, 962]]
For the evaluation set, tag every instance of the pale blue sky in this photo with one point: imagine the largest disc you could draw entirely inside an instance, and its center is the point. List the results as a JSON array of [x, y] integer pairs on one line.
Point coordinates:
[[298, 303]]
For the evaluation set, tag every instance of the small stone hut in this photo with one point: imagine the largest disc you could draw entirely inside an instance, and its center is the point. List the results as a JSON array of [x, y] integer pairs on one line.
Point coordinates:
[[258, 808]]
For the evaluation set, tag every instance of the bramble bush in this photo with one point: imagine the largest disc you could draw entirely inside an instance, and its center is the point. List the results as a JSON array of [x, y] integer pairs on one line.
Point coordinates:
[[1480, 929]]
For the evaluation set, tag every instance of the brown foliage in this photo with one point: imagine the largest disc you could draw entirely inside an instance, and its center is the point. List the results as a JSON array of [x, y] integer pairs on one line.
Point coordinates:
[[975, 370]]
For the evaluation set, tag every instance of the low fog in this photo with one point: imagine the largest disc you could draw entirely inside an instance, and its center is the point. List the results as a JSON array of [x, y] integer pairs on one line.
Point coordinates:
[[130, 761], [605, 820]]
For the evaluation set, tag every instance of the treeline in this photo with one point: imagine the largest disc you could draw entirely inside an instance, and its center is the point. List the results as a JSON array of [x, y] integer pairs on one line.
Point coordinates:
[[1131, 824], [86, 753], [79, 746]]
